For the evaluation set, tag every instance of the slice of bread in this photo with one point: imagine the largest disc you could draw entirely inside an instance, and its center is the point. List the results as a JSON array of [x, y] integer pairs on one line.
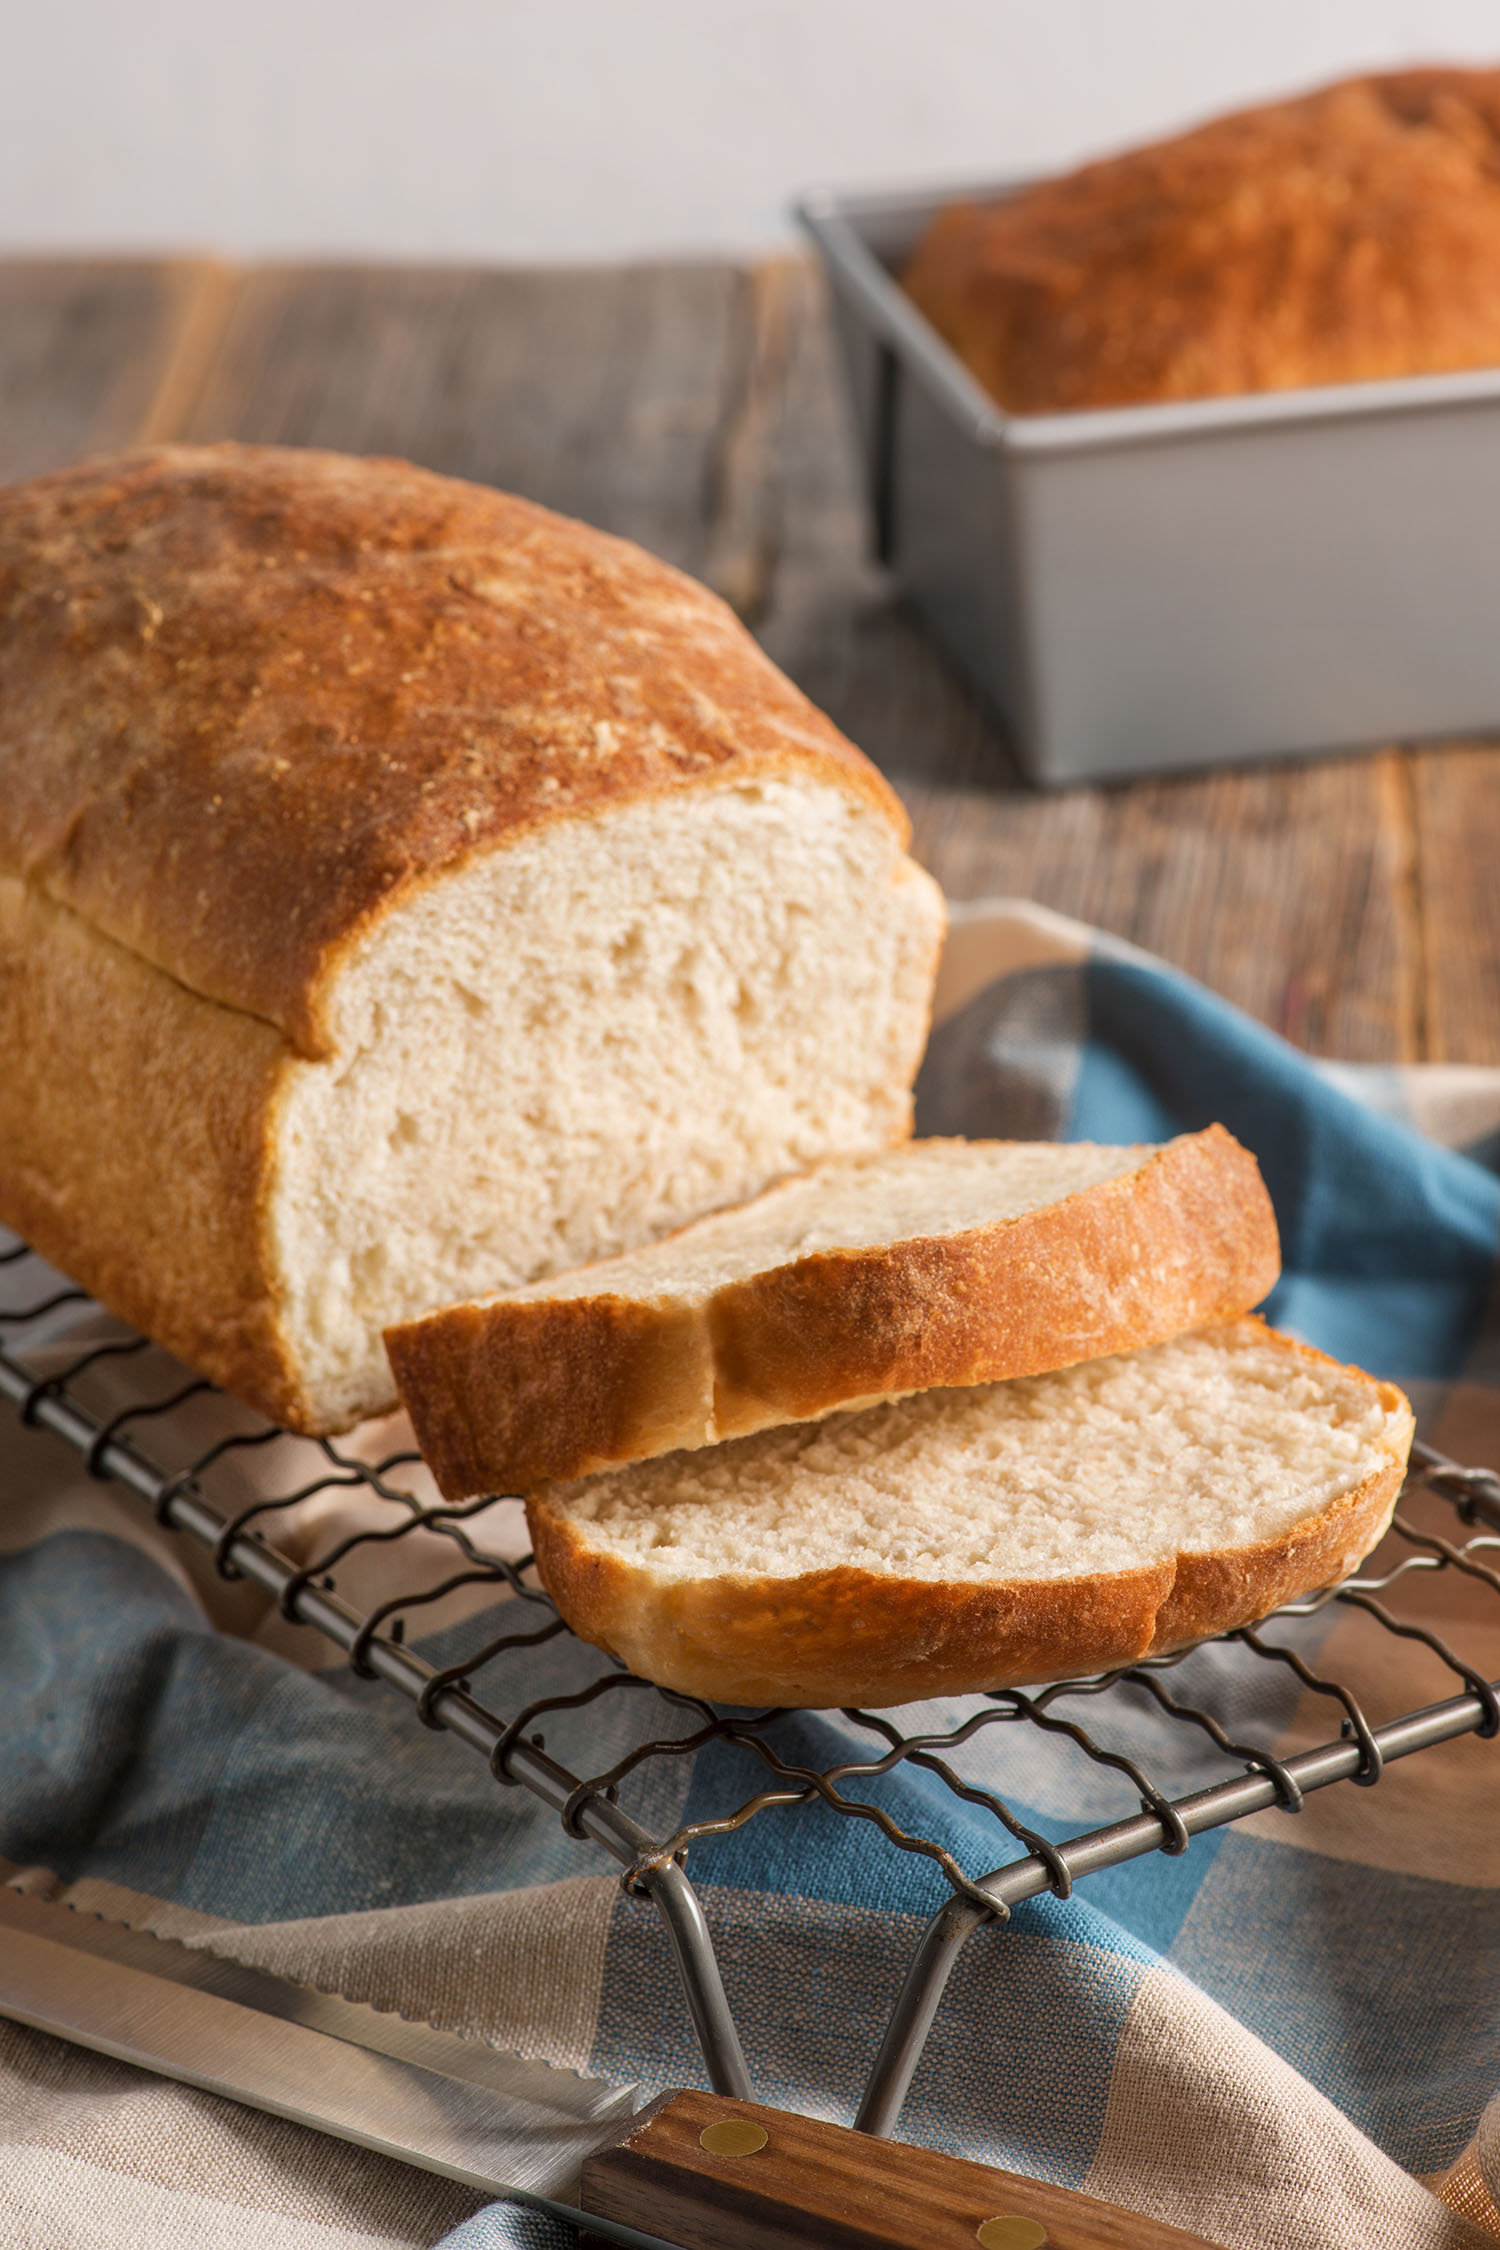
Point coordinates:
[[941, 1262], [985, 1538]]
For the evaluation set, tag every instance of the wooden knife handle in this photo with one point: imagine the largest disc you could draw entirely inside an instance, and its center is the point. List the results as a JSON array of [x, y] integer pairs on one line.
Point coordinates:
[[714, 2174]]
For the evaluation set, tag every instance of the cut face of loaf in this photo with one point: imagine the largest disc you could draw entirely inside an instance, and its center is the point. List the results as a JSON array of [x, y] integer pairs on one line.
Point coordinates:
[[406, 892], [558, 1053], [964, 1540], [596, 1035], [940, 1262]]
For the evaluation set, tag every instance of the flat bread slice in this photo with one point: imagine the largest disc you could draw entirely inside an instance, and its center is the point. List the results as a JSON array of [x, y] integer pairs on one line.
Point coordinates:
[[939, 1262], [985, 1538]]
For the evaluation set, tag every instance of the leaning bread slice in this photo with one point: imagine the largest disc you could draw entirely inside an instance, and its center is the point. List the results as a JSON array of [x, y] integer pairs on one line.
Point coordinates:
[[985, 1538], [943, 1261]]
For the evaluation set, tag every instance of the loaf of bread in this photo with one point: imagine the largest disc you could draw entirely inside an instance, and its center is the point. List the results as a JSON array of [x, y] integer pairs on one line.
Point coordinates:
[[406, 892], [941, 1262], [1351, 234], [963, 1540]]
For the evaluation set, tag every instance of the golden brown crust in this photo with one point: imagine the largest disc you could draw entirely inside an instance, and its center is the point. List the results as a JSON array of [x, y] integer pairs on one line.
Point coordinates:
[[1348, 235], [1213, 1593], [836, 1637], [851, 1636], [503, 1394], [572, 1378], [251, 697], [134, 1130], [1186, 1239]]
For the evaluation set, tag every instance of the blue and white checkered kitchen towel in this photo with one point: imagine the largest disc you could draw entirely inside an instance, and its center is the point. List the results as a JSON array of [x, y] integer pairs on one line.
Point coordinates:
[[1275, 2038]]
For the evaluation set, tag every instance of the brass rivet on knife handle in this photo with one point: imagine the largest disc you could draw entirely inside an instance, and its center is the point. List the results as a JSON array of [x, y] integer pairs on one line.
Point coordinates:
[[732, 2136], [1010, 2232]]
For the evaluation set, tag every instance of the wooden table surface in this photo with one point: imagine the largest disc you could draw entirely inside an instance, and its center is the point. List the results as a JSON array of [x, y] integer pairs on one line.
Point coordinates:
[[1350, 901]]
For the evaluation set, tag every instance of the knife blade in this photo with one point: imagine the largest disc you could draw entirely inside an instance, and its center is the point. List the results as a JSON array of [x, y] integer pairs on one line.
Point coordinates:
[[512, 2128], [518, 2130]]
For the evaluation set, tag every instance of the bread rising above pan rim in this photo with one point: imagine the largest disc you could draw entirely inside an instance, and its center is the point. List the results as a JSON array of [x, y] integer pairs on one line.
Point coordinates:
[[851, 1636], [1346, 235], [505, 1393]]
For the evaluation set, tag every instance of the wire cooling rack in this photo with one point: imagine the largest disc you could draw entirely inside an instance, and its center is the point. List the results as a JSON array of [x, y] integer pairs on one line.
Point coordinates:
[[1185, 1765]]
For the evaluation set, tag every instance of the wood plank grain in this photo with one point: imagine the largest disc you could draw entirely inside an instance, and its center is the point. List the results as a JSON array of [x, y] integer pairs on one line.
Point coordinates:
[[86, 346], [1288, 888], [1456, 799], [1284, 889], [603, 392], [829, 616]]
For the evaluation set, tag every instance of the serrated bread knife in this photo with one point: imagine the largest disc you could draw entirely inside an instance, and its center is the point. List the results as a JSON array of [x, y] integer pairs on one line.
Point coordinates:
[[712, 2174]]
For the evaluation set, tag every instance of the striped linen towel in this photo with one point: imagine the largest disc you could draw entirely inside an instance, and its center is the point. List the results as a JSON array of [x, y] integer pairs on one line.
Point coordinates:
[[1285, 2036]]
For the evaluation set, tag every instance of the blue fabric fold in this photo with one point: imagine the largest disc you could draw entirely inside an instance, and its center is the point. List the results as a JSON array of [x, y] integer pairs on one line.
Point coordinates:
[[1388, 1241]]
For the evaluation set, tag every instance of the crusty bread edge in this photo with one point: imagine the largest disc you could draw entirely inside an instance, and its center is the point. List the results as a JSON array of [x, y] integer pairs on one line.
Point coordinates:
[[162, 1218], [1216, 1591], [1184, 1240], [852, 1636], [505, 1393], [566, 1379]]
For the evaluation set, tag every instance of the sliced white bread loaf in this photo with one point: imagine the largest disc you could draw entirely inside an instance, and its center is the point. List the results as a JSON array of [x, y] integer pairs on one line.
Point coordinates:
[[405, 892], [983, 1538], [941, 1262]]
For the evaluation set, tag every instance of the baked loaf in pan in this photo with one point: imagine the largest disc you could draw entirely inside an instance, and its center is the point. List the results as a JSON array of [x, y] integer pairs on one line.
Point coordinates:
[[1351, 234], [941, 1262], [406, 892], [963, 1540]]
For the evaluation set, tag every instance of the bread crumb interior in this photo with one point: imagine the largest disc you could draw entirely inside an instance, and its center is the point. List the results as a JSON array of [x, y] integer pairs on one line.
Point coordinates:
[[925, 1188], [580, 1042], [1216, 1439]]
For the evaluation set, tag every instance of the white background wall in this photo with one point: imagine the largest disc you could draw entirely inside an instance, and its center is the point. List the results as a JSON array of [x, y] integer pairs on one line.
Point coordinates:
[[503, 129]]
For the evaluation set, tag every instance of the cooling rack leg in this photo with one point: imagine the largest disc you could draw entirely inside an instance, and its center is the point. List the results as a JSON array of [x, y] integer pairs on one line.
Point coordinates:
[[911, 2019], [697, 1964]]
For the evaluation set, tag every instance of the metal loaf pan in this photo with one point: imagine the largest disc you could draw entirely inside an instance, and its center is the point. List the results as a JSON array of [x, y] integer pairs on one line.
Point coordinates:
[[1158, 587]]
